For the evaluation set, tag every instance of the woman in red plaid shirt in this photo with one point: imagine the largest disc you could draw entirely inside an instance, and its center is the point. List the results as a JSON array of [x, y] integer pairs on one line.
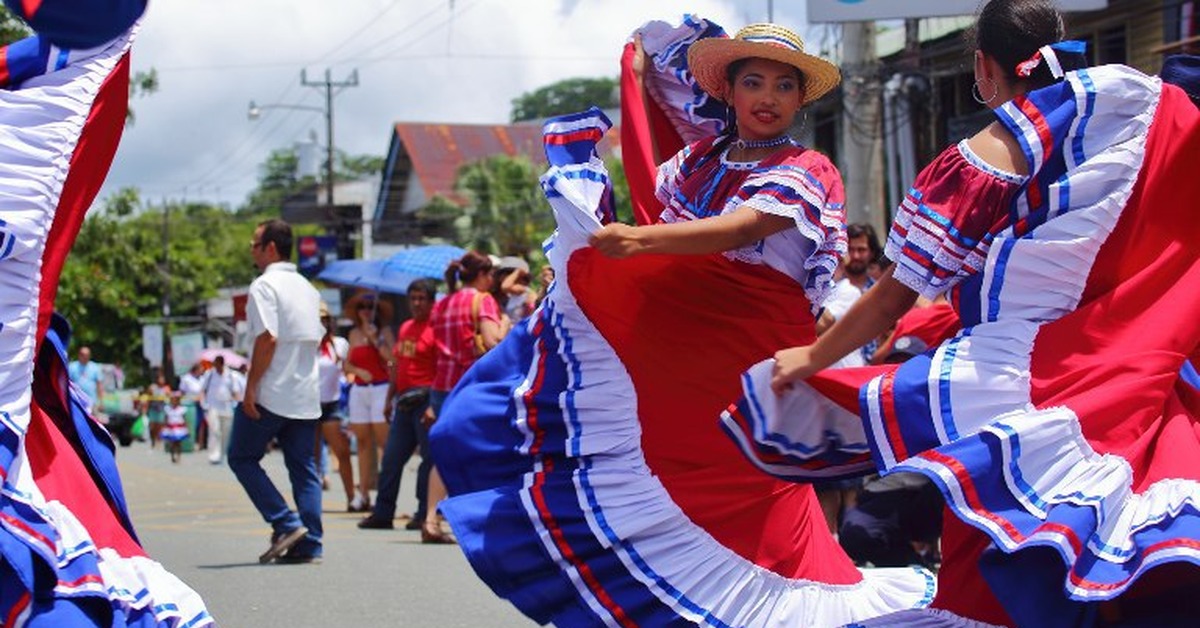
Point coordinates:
[[465, 325]]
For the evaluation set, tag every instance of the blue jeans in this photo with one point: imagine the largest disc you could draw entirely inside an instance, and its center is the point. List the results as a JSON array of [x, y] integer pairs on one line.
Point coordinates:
[[406, 436], [248, 441]]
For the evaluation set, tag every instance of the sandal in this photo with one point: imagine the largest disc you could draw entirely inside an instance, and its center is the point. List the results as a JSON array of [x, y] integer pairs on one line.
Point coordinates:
[[432, 533]]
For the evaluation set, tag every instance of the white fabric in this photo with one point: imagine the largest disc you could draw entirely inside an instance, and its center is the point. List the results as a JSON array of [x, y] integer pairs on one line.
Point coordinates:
[[367, 403], [284, 304], [841, 298], [219, 390], [329, 369], [190, 385], [41, 123]]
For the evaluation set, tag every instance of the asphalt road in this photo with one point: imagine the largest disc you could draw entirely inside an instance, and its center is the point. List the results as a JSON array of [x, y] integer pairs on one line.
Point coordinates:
[[196, 520]]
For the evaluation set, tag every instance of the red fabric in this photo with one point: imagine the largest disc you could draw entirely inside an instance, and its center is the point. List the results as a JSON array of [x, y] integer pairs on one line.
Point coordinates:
[[367, 357], [1115, 360], [961, 590], [934, 325], [684, 343], [643, 125], [416, 355], [968, 203], [89, 165], [61, 476], [454, 334]]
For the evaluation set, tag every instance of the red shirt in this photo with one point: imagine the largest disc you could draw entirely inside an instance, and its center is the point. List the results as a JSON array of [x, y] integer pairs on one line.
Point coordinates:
[[415, 354], [454, 334]]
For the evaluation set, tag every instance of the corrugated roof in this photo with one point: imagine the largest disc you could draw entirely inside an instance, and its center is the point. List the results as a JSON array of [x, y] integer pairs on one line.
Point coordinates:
[[437, 151], [434, 153]]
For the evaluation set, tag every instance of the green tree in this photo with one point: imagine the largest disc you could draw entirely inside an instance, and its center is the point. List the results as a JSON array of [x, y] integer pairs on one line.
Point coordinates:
[[12, 28], [566, 96], [115, 276], [507, 211]]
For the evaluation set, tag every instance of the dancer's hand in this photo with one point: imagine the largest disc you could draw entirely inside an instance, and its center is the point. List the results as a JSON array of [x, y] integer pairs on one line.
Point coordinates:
[[616, 240], [791, 365], [429, 418]]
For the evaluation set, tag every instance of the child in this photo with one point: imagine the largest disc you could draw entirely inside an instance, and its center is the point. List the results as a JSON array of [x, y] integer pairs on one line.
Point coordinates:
[[176, 428]]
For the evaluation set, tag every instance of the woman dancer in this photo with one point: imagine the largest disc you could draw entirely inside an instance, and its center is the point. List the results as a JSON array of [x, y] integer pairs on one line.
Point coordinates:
[[1061, 423], [369, 364], [70, 556], [589, 485]]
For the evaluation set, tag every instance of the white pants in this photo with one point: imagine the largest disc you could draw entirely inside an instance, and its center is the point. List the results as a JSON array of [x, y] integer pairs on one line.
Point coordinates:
[[218, 420], [366, 403]]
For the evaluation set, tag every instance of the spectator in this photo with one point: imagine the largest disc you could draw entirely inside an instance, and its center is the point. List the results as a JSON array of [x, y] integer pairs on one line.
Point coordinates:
[[175, 430], [408, 398], [87, 376], [331, 363], [515, 296], [281, 400], [465, 324], [219, 391], [368, 366], [160, 393], [190, 386]]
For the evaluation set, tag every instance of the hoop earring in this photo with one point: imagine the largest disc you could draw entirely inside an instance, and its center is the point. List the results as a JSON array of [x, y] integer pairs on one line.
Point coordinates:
[[977, 91]]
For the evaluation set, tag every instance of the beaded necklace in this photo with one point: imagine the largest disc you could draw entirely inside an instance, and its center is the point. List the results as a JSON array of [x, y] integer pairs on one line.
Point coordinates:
[[771, 143]]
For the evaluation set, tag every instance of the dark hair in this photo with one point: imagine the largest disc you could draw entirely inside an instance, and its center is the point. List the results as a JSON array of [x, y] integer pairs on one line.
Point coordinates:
[[862, 229], [466, 269], [279, 233], [731, 72], [423, 285], [1010, 31]]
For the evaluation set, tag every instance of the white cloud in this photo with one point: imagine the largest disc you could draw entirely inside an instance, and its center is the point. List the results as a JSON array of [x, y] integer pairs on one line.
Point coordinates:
[[416, 61]]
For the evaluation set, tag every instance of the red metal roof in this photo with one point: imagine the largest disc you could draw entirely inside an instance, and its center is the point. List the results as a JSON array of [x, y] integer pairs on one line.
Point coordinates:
[[437, 151]]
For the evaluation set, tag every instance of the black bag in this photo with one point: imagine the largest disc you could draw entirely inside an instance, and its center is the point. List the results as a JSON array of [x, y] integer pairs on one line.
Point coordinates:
[[413, 399]]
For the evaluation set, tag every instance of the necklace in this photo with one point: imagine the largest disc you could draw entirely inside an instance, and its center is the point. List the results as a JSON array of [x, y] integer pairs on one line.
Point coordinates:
[[771, 143]]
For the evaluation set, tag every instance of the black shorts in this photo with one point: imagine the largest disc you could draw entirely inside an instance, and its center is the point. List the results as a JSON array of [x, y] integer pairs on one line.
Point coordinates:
[[330, 412]]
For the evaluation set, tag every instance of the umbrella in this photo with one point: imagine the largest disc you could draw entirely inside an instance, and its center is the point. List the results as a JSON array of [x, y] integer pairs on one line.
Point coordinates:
[[232, 360], [426, 261], [379, 275]]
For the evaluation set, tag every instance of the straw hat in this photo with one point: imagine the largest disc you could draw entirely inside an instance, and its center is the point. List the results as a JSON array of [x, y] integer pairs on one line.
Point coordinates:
[[708, 58], [383, 308]]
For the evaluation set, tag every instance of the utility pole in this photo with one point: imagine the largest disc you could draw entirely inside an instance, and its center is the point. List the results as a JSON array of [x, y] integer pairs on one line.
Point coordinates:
[[328, 84], [861, 163]]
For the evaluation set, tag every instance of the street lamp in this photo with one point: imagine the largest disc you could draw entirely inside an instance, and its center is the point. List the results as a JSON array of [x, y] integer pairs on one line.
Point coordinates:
[[255, 111]]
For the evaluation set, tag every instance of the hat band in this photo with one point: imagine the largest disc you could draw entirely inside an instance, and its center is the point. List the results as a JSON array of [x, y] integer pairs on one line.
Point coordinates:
[[781, 42]]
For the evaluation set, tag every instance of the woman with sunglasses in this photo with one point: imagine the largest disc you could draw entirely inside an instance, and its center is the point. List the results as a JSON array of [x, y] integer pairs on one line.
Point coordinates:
[[369, 368]]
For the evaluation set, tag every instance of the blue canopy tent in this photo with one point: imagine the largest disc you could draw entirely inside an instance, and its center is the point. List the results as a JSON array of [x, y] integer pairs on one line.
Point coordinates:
[[394, 273]]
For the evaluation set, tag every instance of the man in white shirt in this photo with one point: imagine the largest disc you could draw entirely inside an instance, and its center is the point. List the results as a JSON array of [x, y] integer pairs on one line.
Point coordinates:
[[219, 390], [281, 398]]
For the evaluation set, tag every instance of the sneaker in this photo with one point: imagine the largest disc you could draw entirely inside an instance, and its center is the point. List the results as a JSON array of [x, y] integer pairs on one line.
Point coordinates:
[[358, 504], [371, 522], [281, 543], [296, 558]]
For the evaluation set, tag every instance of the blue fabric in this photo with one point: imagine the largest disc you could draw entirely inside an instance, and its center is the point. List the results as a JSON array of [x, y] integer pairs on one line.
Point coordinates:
[[477, 451], [406, 436], [79, 23], [248, 441]]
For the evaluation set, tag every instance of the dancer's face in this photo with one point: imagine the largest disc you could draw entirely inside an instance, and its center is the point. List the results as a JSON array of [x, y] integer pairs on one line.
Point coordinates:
[[765, 95]]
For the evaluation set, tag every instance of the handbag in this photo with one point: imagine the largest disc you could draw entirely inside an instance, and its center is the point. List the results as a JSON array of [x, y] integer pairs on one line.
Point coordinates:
[[476, 304], [413, 399]]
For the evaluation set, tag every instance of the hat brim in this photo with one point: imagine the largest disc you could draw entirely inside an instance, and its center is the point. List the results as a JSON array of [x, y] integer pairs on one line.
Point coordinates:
[[383, 308], [708, 58]]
